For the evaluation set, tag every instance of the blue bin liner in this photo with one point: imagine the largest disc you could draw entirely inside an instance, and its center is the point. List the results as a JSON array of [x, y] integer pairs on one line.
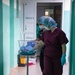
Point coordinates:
[[32, 52], [28, 47], [22, 48], [31, 43], [27, 50]]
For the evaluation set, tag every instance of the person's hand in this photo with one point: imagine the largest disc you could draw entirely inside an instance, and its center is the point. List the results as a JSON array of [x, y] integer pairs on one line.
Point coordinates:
[[63, 59]]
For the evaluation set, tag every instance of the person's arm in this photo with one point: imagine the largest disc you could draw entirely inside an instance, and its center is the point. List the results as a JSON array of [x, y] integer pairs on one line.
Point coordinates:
[[39, 45], [37, 39], [63, 48], [63, 58]]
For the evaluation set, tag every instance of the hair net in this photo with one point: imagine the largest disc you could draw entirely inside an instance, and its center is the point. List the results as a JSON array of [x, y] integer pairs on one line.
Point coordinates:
[[41, 20], [50, 22]]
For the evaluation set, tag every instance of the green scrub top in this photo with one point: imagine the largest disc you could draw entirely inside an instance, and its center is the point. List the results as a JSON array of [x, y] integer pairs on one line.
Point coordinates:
[[37, 30]]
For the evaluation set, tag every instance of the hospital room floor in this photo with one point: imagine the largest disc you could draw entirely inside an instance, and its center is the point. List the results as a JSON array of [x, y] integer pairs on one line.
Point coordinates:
[[34, 70]]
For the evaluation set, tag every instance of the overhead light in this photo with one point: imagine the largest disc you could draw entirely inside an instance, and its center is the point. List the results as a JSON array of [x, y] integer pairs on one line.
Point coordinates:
[[46, 13]]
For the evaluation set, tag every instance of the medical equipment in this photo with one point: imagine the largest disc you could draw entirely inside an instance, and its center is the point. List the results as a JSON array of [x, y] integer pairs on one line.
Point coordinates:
[[26, 50]]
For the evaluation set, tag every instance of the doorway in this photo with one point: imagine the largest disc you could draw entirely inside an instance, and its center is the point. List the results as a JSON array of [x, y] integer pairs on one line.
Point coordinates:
[[51, 9]]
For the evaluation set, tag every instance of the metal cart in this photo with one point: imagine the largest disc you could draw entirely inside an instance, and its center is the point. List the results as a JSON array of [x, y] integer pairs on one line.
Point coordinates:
[[26, 53]]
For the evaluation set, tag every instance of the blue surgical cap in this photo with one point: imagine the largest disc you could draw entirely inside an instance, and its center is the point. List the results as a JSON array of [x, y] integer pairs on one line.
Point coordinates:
[[50, 22], [41, 20]]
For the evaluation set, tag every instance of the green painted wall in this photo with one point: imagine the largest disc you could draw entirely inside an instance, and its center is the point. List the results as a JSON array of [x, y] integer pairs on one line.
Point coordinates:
[[67, 24], [1, 38], [72, 43], [16, 36], [11, 33], [6, 39]]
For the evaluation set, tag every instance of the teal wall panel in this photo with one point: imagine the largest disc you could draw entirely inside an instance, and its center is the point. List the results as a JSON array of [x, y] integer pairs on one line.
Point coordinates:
[[1, 38], [72, 43], [17, 8], [67, 20], [6, 39], [11, 33], [66, 28], [9, 36], [16, 36]]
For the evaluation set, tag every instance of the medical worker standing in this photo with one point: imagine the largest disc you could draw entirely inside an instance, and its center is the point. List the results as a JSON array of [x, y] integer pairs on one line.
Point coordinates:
[[55, 48], [55, 41]]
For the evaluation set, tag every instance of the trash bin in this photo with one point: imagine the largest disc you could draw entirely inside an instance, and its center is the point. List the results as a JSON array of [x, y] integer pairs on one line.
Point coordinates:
[[21, 60]]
